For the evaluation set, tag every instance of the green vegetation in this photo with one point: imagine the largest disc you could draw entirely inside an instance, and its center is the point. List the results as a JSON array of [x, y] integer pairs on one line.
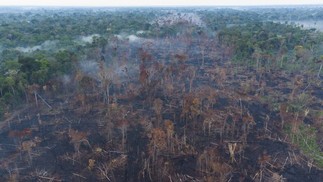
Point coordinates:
[[160, 94], [306, 139], [273, 45]]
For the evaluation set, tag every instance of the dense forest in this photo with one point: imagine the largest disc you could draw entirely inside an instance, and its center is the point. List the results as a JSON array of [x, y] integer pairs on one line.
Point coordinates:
[[161, 94]]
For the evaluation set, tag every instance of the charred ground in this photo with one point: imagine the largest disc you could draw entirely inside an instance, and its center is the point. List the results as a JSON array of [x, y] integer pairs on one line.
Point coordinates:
[[182, 103]]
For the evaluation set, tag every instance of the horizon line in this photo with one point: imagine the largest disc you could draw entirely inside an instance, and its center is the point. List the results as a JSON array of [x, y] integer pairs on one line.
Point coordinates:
[[137, 6]]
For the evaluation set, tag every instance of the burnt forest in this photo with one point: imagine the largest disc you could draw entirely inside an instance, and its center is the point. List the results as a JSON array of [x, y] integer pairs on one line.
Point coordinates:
[[161, 94]]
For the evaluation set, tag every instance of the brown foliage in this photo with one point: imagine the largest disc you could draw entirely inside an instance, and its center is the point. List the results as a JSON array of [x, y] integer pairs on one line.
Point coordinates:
[[191, 107], [158, 106], [181, 57], [169, 125], [143, 77], [221, 75], [248, 119], [77, 136], [33, 88], [158, 141], [293, 118], [28, 145], [212, 168], [20, 134], [87, 84], [145, 56], [169, 88], [263, 159], [208, 96], [80, 98], [191, 74]]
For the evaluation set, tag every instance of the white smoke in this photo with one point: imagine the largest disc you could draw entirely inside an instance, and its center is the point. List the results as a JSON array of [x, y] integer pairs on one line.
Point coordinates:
[[47, 45], [175, 18]]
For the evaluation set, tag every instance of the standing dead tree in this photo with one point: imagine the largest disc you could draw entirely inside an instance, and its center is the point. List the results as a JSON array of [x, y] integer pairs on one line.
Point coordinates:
[[211, 166], [123, 126], [77, 138], [32, 92], [158, 106], [105, 76]]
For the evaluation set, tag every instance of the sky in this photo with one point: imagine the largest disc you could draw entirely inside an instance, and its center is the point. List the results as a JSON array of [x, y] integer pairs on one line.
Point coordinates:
[[155, 2]]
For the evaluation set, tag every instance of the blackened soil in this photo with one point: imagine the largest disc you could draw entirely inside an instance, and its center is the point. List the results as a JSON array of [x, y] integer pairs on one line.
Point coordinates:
[[295, 173]]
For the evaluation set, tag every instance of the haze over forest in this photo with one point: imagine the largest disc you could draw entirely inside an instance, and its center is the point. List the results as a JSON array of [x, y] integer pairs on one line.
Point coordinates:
[[123, 3], [198, 93]]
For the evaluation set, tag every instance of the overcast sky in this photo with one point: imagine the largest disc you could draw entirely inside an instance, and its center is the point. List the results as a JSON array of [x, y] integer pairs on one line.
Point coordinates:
[[154, 2]]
